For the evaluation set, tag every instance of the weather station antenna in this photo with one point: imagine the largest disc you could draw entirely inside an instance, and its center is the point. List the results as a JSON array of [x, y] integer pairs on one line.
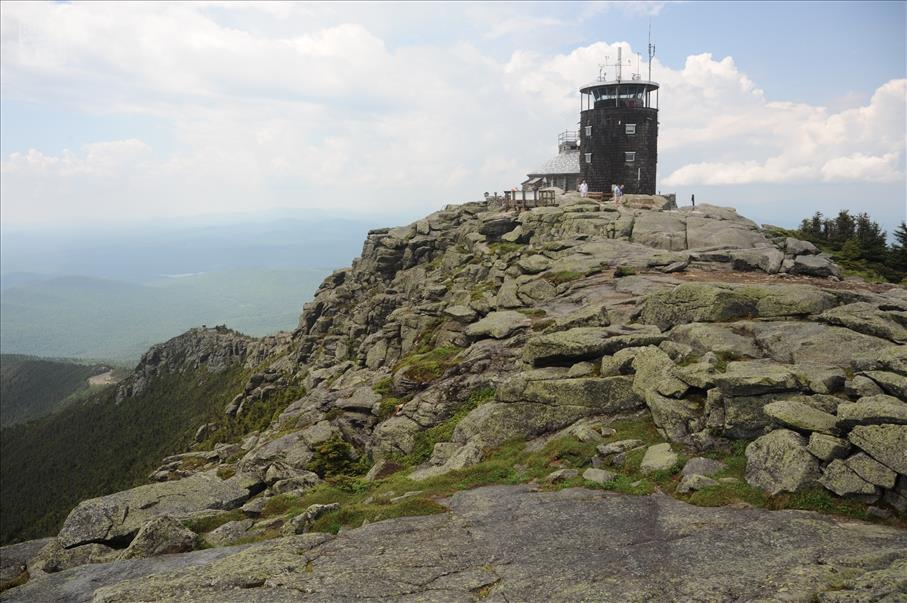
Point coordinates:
[[651, 50]]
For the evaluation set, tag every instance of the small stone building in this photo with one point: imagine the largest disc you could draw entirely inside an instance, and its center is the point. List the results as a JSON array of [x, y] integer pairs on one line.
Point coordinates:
[[562, 170]]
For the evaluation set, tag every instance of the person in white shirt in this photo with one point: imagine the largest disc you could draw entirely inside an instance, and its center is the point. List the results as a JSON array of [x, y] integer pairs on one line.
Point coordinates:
[[583, 189]]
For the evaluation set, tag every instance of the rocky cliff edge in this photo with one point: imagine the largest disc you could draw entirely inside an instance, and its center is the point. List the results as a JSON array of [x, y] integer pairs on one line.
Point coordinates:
[[452, 338]]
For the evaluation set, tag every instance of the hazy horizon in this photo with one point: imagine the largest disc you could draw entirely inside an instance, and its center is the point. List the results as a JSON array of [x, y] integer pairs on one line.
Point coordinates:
[[120, 113]]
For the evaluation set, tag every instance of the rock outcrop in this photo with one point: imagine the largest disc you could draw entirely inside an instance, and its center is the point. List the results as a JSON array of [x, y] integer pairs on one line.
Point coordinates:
[[512, 544], [489, 327]]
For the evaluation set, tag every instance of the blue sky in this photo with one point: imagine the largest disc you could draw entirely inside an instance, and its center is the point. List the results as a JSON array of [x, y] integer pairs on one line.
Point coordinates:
[[124, 112]]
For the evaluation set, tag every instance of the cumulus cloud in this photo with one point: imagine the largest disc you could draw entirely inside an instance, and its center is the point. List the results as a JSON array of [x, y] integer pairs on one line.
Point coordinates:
[[300, 105]]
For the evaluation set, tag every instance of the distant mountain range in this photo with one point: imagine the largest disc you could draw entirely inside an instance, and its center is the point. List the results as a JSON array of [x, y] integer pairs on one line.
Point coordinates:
[[93, 318]]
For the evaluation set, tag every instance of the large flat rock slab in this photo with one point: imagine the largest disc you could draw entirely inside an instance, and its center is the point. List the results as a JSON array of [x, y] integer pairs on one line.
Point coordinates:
[[508, 543], [78, 585], [117, 517]]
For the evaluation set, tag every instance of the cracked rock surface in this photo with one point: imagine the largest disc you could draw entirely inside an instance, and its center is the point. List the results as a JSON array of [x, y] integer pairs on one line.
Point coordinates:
[[510, 543]]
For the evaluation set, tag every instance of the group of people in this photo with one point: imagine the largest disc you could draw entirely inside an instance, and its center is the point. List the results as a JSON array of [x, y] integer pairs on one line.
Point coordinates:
[[617, 191]]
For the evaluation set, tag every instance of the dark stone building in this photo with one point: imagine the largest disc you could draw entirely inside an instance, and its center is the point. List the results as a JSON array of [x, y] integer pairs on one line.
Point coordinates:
[[619, 135]]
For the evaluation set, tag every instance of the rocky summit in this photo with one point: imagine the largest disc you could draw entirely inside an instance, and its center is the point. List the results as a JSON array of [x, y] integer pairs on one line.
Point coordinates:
[[651, 376]]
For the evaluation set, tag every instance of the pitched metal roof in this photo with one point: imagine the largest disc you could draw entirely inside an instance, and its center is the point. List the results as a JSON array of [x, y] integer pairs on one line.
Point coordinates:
[[566, 162]]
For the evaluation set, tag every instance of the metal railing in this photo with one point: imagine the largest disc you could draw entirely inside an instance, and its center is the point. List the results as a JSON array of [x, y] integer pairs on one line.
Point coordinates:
[[567, 136]]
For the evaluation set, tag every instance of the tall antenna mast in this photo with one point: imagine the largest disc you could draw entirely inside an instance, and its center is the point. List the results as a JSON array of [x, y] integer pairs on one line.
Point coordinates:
[[651, 50], [619, 64]]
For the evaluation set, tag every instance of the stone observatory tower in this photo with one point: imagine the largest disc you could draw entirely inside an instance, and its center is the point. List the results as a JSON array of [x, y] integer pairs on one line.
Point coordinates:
[[619, 132]]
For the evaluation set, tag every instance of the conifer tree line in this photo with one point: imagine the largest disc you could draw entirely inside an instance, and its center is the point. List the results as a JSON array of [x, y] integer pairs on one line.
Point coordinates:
[[858, 243]]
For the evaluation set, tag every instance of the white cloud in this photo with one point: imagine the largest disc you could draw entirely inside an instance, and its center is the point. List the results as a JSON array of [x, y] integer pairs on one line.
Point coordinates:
[[309, 105], [780, 142]]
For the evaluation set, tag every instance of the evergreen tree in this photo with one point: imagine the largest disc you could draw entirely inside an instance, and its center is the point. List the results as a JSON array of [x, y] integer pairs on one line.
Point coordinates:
[[844, 227], [871, 239], [897, 256]]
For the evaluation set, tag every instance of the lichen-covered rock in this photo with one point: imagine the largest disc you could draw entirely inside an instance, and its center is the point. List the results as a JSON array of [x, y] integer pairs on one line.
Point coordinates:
[[879, 320], [826, 447], [810, 343], [598, 476], [814, 265], [583, 343], [229, 533], [738, 555], [779, 462], [655, 373], [766, 259], [885, 443], [796, 247], [872, 410], [55, 557], [161, 536], [753, 377], [719, 339], [590, 315], [117, 517], [14, 561], [494, 423], [891, 383], [500, 324], [533, 264], [872, 470], [696, 302], [659, 457], [801, 417], [607, 395], [702, 466], [301, 523], [844, 481], [694, 481]]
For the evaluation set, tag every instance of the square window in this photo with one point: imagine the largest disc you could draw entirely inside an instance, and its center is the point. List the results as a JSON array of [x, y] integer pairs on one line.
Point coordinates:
[[588, 130], [630, 156], [631, 129], [588, 157]]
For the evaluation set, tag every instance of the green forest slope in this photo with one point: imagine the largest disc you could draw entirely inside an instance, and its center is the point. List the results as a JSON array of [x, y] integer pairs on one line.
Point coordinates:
[[96, 447], [34, 387]]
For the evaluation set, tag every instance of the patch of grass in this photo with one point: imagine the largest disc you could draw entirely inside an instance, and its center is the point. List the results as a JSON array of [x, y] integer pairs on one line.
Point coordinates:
[[268, 534], [426, 439], [532, 312], [384, 387], [204, 525], [479, 291], [191, 463], [356, 514], [504, 247], [427, 366], [386, 407], [819, 499], [641, 428], [337, 457], [565, 451], [622, 271], [423, 343], [561, 277], [256, 416], [226, 471]]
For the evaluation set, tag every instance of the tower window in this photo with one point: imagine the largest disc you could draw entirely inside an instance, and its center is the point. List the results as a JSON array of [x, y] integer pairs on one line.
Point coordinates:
[[631, 129], [588, 130], [630, 156], [588, 157]]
